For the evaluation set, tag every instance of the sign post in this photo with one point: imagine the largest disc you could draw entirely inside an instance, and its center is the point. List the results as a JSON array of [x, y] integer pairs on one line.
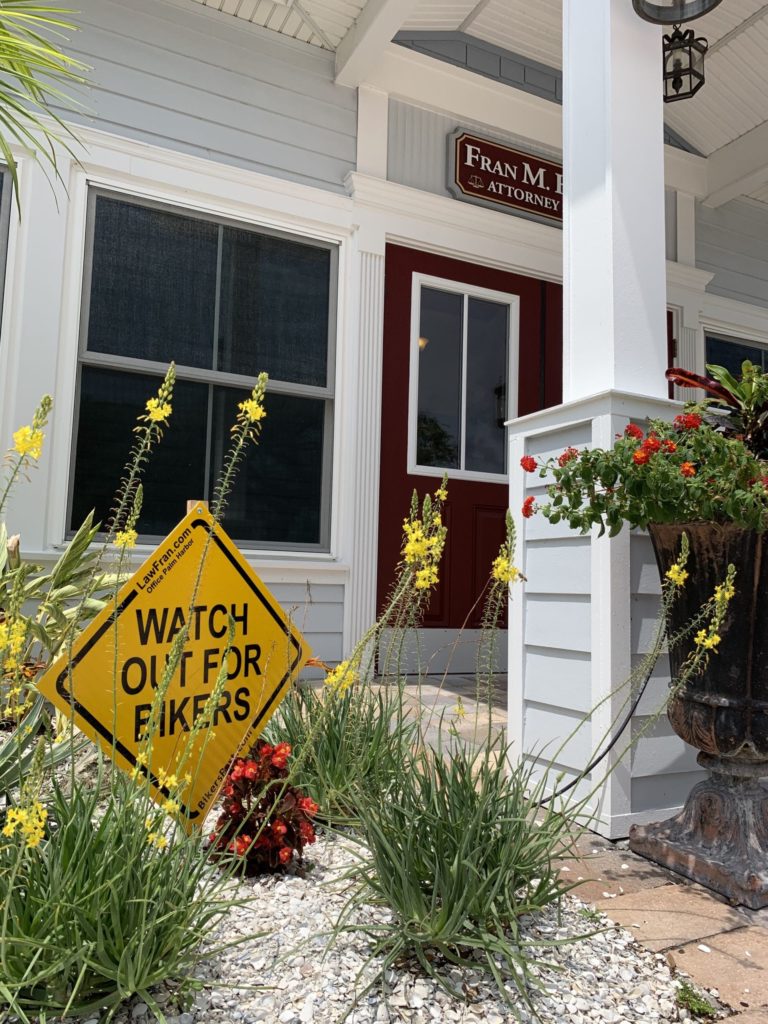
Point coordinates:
[[197, 580]]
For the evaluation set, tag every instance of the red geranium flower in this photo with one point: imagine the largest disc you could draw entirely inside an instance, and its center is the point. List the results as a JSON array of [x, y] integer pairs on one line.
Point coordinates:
[[651, 443], [641, 456], [567, 455], [308, 805], [528, 506], [285, 854], [669, 446], [633, 431], [688, 469], [688, 421], [528, 463]]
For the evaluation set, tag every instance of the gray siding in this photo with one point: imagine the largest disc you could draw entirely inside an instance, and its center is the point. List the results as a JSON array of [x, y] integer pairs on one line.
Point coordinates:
[[317, 611], [417, 151], [663, 767], [557, 661], [214, 88], [731, 242]]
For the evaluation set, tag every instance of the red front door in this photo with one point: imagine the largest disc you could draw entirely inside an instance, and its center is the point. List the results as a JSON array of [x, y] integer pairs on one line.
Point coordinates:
[[446, 378]]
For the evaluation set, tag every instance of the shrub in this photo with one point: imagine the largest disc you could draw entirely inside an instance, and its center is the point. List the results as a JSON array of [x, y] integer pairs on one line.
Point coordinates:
[[265, 821]]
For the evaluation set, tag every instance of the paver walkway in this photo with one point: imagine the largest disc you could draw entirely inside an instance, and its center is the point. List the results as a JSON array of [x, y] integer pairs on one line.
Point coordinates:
[[723, 949]]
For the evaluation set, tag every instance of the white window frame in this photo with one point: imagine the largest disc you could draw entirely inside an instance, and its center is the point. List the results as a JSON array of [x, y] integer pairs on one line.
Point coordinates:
[[210, 376], [468, 292], [198, 185]]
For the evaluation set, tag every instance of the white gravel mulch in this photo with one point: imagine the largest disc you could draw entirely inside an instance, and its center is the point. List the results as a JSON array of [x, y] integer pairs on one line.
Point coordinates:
[[604, 979]]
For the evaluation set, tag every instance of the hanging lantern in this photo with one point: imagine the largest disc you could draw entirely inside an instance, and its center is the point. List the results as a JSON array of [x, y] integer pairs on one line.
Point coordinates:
[[673, 12], [683, 65], [683, 52]]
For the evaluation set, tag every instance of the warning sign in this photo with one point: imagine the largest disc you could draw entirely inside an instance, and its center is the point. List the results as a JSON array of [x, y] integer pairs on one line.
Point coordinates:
[[110, 686]]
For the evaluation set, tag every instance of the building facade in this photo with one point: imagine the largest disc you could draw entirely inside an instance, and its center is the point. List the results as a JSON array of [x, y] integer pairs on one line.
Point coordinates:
[[261, 186]]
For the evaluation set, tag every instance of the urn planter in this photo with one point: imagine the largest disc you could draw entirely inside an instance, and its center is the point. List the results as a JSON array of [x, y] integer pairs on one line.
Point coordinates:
[[720, 838]]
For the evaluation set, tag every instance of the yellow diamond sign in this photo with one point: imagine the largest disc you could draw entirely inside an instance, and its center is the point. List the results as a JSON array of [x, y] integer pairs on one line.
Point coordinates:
[[197, 579]]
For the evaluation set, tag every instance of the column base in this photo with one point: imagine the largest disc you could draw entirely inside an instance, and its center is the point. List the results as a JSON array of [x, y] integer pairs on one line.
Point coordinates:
[[720, 838]]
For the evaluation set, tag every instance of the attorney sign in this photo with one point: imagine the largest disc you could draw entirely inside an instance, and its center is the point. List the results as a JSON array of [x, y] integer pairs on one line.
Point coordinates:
[[490, 173]]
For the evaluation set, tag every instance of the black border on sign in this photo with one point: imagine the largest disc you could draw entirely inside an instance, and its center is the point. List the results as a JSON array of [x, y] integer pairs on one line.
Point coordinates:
[[458, 191], [104, 732]]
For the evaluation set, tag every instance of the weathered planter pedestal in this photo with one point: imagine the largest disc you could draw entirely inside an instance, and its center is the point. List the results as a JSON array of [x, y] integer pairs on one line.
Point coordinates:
[[720, 838]]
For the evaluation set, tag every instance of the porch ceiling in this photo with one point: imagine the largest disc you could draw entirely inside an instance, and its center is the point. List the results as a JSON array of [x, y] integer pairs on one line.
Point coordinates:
[[733, 104], [322, 23]]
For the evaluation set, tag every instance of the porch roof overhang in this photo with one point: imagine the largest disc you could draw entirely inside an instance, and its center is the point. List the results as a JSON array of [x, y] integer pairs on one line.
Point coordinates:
[[726, 122]]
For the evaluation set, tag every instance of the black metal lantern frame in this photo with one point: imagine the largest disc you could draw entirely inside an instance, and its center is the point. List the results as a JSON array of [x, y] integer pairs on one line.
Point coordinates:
[[683, 65], [674, 12]]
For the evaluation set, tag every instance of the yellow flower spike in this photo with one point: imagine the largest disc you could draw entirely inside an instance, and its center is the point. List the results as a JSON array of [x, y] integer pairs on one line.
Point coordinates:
[[677, 575], [340, 679], [426, 578], [158, 411], [460, 711], [504, 571], [252, 410], [171, 806], [28, 442], [126, 538]]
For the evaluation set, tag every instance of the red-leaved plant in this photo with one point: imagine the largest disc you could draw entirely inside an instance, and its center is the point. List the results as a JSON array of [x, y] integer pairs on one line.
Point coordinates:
[[264, 820]]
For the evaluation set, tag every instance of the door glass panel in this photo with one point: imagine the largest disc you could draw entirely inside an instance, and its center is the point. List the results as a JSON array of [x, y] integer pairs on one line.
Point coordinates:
[[438, 431], [153, 286], [487, 338]]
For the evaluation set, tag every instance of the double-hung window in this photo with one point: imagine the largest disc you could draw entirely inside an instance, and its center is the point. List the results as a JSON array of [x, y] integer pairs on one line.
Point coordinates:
[[224, 301]]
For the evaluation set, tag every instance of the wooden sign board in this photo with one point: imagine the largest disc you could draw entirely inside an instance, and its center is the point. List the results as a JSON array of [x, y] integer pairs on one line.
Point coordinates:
[[492, 174], [108, 685]]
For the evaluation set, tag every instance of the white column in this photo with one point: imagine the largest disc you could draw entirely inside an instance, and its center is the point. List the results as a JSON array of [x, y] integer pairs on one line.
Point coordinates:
[[613, 153]]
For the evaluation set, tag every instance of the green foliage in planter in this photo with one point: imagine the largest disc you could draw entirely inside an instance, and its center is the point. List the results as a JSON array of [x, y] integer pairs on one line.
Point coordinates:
[[679, 472]]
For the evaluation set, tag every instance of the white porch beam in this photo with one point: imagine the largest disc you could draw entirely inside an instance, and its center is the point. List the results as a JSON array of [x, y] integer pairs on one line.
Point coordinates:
[[613, 162], [738, 168], [366, 40]]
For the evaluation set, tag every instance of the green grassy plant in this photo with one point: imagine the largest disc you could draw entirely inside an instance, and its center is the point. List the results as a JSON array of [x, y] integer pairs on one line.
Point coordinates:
[[459, 850], [97, 912], [362, 739], [102, 894]]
